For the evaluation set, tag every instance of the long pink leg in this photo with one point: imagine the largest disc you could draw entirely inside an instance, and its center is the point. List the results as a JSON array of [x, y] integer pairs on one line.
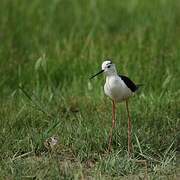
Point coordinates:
[[113, 125], [129, 131]]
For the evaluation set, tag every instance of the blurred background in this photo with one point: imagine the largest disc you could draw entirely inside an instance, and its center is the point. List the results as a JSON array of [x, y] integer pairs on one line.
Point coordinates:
[[51, 48], [63, 42]]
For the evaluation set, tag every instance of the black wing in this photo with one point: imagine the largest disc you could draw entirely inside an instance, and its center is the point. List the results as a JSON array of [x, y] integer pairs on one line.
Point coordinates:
[[129, 83]]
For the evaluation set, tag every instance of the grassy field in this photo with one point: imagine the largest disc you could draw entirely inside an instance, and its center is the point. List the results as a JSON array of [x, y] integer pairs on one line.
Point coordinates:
[[50, 49]]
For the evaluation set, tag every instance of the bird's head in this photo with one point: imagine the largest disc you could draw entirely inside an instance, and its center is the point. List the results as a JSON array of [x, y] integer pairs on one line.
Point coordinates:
[[108, 68]]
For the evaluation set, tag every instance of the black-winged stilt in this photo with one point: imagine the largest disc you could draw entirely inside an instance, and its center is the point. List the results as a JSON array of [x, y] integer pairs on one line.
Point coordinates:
[[119, 88]]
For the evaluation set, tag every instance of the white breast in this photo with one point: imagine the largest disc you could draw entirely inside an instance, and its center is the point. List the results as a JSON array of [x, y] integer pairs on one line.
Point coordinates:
[[116, 89]]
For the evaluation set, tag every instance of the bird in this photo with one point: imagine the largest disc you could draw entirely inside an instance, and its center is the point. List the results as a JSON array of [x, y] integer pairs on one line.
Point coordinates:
[[119, 88]]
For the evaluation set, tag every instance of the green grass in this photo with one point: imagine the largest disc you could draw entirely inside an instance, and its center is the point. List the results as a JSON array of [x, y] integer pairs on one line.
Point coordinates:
[[51, 48]]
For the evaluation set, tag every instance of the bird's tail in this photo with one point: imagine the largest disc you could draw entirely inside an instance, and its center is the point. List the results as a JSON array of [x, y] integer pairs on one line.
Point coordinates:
[[139, 85]]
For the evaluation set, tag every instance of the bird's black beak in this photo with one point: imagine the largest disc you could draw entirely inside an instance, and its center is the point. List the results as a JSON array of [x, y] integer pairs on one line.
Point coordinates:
[[97, 74]]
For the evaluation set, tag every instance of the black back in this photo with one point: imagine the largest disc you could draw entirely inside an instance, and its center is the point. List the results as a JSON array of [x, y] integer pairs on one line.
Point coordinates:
[[129, 83]]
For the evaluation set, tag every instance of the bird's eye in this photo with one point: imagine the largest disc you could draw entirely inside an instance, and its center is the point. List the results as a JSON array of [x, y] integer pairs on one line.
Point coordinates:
[[109, 66]]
